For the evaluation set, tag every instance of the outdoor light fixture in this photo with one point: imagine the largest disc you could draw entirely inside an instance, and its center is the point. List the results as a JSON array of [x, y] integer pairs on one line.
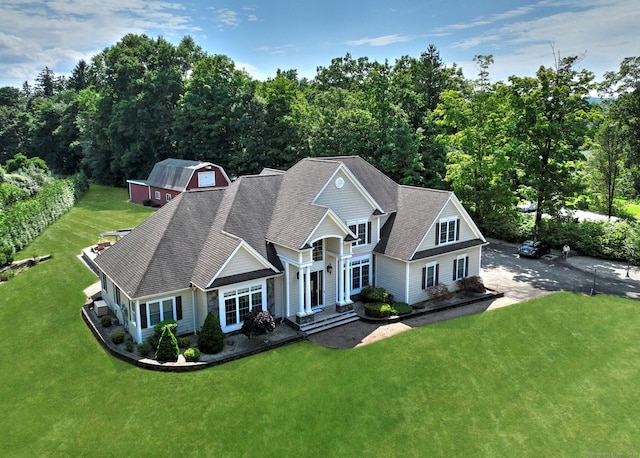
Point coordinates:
[[329, 269]]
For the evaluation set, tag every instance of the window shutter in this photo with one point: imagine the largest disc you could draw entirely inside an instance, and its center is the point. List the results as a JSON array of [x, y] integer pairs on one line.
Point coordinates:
[[458, 229], [369, 232], [466, 266], [455, 268], [424, 278], [143, 316], [437, 233], [178, 307], [437, 273]]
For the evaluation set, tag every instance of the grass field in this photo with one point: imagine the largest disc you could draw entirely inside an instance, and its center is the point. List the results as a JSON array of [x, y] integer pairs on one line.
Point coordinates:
[[556, 376]]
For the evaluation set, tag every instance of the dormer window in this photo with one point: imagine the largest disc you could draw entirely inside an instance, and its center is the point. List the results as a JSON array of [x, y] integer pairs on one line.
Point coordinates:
[[447, 231], [362, 229]]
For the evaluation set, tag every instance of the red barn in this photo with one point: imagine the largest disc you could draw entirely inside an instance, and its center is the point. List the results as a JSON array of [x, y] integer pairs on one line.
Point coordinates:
[[173, 176]]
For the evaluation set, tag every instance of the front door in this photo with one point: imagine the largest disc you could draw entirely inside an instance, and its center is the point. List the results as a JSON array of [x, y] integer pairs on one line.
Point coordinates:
[[316, 288]]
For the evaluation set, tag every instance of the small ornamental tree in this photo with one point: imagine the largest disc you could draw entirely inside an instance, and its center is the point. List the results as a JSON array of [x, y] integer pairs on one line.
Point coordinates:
[[258, 322], [211, 337], [168, 346]]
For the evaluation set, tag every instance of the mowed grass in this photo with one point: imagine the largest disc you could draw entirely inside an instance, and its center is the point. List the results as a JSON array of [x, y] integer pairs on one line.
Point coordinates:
[[557, 376]]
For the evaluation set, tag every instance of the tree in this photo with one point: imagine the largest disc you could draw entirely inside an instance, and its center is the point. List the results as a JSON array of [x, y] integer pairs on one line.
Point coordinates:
[[623, 90], [211, 337], [168, 349], [607, 160], [477, 122], [552, 114]]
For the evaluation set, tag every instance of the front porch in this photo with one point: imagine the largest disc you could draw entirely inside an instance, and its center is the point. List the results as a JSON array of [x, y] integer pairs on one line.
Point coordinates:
[[323, 319]]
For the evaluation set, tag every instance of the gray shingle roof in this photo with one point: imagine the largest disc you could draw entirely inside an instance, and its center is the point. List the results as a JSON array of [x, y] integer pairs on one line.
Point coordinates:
[[417, 209], [189, 240]]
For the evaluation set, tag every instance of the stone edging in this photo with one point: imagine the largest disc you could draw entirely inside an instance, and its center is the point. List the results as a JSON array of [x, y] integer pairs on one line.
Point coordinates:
[[154, 365]]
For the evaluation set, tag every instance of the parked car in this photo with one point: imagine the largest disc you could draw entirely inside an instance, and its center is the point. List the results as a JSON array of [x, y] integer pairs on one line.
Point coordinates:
[[534, 249], [527, 207]]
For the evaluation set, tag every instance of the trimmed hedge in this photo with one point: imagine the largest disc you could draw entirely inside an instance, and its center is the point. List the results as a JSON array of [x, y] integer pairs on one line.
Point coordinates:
[[24, 221], [377, 309]]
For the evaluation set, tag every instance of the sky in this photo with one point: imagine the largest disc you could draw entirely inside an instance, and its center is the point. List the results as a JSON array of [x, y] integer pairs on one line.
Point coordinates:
[[264, 36]]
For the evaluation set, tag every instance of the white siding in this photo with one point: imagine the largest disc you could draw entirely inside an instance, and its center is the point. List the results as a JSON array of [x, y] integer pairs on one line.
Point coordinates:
[[185, 325], [347, 202], [327, 228], [450, 211], [243, 261], [390, 274]]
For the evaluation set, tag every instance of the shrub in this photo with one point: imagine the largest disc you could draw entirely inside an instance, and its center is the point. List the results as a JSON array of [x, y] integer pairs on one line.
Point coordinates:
[[128, 345], [440, 292], [117, 337], [211, 337], [418, 306], [401, 308], [171, 324], [168, 346], [7, 275], [192, 355], [371, 293], [471, 285], [184, 342], [106, 321], [377, 309], [144, 349], [257, 322]]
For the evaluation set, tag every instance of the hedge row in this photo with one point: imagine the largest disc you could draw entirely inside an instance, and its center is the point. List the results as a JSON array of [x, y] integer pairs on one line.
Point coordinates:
[[616, 240], [24, 221]]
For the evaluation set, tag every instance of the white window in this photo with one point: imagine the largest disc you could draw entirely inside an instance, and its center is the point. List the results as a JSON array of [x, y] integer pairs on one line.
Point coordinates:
[[360, 274], [168, 197], [448, 231], [116, 294], [316, 254], [362, 229], [460, 267], [238, 303], [206, 179], [103, 281], [157, 194], [132, 307], [430, 275], [153, 312]]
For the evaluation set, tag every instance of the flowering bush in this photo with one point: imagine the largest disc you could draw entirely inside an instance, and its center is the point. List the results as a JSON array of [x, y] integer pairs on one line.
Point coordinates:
[[258, 322]]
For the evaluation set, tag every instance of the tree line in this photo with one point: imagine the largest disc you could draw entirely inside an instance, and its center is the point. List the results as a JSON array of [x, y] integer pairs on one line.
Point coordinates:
[[541, 138]]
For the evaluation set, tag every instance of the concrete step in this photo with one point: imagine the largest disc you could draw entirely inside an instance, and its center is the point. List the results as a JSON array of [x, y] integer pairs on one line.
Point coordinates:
[[325, 326], [321, 324]]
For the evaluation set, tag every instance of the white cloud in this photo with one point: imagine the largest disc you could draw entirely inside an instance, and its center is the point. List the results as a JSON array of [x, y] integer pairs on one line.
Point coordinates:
[[58, 33], [380, 41]]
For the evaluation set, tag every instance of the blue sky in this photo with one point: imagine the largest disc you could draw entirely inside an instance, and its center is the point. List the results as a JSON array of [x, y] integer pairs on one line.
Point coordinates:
[[262, 36]]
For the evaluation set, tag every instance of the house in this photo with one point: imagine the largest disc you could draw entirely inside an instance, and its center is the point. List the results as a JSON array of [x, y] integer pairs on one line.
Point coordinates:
[[170, 177], [294, 243]]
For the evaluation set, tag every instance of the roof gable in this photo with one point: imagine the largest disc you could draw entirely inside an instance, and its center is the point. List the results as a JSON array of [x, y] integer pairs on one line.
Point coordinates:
[[175, 174]]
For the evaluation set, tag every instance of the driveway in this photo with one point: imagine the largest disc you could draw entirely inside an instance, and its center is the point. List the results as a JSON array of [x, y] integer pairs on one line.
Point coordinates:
[[519, 278], [523, 278]]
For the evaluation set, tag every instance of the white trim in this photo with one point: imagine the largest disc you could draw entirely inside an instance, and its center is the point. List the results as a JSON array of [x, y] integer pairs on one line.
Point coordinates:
[[354, 180], [331, 214], [251, 251], [235, 287]]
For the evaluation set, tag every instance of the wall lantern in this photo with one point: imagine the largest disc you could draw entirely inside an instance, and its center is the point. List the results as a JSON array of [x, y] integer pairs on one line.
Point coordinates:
[[329, 269]]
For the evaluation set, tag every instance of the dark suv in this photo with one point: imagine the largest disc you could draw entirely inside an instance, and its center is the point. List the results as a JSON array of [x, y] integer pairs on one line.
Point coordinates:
[[534, 249]]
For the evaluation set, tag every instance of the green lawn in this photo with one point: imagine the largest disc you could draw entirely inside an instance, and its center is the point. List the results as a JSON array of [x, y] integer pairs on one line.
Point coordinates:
[[556, 376]]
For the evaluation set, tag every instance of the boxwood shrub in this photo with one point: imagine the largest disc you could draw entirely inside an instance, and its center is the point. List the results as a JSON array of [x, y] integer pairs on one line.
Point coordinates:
[[117, 337], [192, 355], [372, 293], [377, 309], [401, 308]]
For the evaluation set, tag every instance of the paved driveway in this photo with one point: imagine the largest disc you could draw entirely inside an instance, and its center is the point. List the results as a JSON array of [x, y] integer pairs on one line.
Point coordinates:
[[519, 279], [524, 278]]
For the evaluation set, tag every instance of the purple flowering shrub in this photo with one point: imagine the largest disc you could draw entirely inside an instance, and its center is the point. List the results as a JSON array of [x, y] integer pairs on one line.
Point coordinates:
[[258, 322]]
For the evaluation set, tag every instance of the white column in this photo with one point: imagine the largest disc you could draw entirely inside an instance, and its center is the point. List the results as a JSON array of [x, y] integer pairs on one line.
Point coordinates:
[[300, 291], [347, 289], [287, 294], [307, 289], [340, 280]]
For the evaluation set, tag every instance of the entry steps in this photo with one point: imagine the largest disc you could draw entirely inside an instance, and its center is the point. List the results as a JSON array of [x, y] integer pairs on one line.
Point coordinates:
[[322, 323]]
